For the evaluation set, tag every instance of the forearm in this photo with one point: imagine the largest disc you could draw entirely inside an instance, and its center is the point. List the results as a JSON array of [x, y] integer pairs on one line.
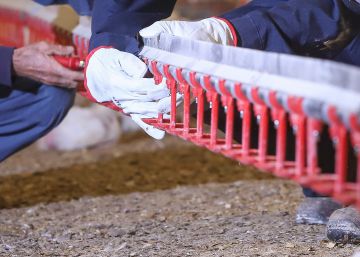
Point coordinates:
[[82, 7], [254, 5], [6, 54], [354, 5], [116, 23], [295, 26]]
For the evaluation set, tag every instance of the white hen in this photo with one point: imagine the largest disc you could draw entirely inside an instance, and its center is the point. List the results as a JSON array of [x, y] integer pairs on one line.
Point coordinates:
[[83, 128]]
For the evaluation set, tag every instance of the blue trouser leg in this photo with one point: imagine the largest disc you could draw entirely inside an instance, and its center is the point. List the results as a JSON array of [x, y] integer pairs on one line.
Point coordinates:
[[28, 111], [308, 192]]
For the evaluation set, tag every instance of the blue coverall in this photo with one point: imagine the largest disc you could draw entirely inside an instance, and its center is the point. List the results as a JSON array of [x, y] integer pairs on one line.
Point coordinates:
[[304, 27]]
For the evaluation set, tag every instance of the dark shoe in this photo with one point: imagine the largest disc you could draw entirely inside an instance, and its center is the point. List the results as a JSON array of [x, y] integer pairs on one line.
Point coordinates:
[[316, 210], [344, 226]]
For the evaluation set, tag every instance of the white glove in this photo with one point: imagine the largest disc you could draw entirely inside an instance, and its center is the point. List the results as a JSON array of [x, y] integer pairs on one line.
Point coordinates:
[[139, 110], [112, 75], [211, 30], [149, 109]]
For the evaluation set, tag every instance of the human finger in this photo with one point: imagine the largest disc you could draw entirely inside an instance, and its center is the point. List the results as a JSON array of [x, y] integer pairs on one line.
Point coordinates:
[[60, 50]]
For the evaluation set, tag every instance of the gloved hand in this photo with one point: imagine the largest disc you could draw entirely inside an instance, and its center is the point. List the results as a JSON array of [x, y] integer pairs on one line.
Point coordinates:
[[112, 75], [211, 30], [149, 109]]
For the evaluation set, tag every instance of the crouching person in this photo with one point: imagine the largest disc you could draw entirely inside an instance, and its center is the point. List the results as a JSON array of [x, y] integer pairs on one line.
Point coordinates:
[[326, 29], [36, 92]]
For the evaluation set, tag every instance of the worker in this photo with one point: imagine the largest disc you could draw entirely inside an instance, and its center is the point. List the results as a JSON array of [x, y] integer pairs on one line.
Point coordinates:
[[35, 93], [327, 29], [323, 29], [319, 28]]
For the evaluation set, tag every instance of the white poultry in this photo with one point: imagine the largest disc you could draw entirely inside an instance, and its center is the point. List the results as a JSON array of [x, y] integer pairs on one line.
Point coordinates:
[[83, 128]]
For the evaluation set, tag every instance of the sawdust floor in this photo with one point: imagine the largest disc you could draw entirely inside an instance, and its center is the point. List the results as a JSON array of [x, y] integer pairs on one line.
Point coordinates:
[[147, 198]]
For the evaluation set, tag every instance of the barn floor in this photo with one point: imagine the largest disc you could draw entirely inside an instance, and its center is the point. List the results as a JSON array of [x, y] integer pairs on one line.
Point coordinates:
[[147, 198]]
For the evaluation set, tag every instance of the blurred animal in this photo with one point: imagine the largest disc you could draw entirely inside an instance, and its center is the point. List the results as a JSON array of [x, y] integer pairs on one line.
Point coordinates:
[[86, 127]]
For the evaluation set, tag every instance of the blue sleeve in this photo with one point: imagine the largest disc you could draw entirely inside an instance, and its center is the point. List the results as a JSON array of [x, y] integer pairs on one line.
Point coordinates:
[[353, 5], [6, 54], [82, 7], [254, 5], [116, 22], [292, 26]]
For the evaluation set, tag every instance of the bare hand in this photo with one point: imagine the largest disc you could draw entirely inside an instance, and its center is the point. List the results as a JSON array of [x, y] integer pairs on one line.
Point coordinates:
[[35, 62]]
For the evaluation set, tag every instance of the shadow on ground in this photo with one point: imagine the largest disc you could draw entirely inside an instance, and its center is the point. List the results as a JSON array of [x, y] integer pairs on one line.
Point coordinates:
[[135, 172]]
